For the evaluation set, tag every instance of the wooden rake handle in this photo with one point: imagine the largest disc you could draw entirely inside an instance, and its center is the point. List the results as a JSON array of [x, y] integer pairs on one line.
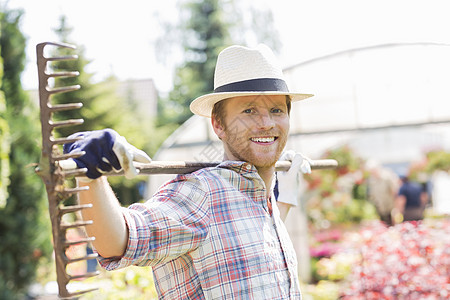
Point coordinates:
[[184, 167]]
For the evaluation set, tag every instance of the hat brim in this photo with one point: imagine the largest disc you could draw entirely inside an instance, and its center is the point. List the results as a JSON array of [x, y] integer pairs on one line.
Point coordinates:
[[203, 105]]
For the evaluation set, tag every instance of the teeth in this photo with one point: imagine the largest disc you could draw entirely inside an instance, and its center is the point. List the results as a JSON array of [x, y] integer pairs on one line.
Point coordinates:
[[263, 140]]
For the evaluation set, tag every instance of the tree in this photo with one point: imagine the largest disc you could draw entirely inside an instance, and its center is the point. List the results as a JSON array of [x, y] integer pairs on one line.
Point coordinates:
[[24, 233], [4, 144], [204, 35], [206, 27]]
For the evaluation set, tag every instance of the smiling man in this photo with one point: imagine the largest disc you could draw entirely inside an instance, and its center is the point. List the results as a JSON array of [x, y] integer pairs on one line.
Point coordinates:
[[215, 233]]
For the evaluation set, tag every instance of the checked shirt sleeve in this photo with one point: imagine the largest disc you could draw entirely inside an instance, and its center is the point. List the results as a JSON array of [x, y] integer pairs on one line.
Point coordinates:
[[172, 223]]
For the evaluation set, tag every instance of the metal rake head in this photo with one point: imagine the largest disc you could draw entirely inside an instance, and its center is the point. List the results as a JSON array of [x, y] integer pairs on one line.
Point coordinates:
[[54, 176]]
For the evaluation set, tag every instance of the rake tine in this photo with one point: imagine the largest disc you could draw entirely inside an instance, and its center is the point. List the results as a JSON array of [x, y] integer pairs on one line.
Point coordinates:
[[71, 191], [68, 141], [65, 123], [87, 257], [76, 224], [61, 141], [60, 58], [73, 208], [62, 107], [64, 74], [64, 89], [75, 172], [67, 192], [65, 157], [77, 294], [58, 44], [77, 242], [86, 275]]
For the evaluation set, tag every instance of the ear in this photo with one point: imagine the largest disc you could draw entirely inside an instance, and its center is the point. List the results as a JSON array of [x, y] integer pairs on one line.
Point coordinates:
[[218, 127]]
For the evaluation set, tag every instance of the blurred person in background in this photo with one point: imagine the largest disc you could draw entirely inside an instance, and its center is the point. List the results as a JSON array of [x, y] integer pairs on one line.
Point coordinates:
[[382, 186], [410, 202]]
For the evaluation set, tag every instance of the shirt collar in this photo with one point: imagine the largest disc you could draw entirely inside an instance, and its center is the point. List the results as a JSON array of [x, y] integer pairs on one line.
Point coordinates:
[[245, 169], [240, 167]]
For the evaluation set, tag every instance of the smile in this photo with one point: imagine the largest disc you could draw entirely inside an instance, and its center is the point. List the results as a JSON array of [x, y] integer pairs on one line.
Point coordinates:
[[263, 139]]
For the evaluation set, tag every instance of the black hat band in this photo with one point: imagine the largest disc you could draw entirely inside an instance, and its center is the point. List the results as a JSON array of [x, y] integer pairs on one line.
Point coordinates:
[[254, 85]]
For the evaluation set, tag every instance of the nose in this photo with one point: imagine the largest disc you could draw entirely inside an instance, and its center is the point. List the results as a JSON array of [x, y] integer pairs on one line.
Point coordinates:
[[265, 121]]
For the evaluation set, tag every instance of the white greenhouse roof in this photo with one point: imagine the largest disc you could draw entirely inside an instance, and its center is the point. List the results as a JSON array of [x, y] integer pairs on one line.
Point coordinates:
[[371, 87]]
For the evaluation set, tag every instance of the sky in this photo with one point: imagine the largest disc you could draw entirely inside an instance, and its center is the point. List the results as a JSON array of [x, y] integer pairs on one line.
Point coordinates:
[[119, 36]]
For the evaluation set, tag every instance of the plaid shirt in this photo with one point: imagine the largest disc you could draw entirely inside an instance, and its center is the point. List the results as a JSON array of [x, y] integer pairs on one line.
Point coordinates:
[[209, 235]]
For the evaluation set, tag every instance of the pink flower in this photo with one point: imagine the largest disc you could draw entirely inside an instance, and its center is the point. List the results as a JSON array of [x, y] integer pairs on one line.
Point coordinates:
[[406, 261], [324, 250]]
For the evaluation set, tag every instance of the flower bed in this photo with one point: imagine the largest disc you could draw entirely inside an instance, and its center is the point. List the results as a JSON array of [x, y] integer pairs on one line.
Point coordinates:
[[407, 261]]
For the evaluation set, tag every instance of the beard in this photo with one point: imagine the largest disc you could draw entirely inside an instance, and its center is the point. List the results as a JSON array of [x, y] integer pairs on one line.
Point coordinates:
[[261, 156]]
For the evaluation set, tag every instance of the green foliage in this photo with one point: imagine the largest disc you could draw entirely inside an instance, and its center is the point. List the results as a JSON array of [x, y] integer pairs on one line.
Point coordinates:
[[337, 267], [438, 160], [420, 170], [348, 162], [4, 158], [324, 290], [204, 35], [24, 234], [340, 195], [129, 283], [4, 146]]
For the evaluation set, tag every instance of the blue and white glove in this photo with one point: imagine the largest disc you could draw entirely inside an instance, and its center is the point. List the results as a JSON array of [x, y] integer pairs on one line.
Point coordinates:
[[287, 181], [105, 150]]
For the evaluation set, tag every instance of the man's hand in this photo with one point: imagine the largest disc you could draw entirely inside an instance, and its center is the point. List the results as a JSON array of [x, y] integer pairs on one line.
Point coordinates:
[[105, 150], [288, 180]]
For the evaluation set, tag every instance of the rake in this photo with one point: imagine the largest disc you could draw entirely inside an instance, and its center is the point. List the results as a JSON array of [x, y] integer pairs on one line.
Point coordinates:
[[54, 176], [54, 170]]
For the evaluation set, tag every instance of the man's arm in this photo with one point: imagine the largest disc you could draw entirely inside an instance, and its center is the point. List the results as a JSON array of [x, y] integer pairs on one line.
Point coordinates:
[[109, 227]]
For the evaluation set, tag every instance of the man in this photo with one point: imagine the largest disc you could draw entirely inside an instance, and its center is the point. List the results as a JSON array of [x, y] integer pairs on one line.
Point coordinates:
[[410, 202], [215, 233], [382, 190]]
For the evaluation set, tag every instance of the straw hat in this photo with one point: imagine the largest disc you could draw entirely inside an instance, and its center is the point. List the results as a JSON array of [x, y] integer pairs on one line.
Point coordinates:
[[242, 71]]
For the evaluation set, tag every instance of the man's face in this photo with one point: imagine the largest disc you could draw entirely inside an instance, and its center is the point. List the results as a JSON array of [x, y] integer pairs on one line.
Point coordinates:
[[255, 129]]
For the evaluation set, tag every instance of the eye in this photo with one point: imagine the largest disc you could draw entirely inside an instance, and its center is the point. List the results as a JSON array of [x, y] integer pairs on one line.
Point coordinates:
[[277, 110], [248, 111]]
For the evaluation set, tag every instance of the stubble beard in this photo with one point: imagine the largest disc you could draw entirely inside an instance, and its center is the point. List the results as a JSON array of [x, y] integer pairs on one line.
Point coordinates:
[[241, 149]]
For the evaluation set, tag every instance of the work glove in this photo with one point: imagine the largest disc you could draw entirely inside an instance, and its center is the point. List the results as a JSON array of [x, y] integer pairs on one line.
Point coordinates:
[[286, 187], [105, 150]]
